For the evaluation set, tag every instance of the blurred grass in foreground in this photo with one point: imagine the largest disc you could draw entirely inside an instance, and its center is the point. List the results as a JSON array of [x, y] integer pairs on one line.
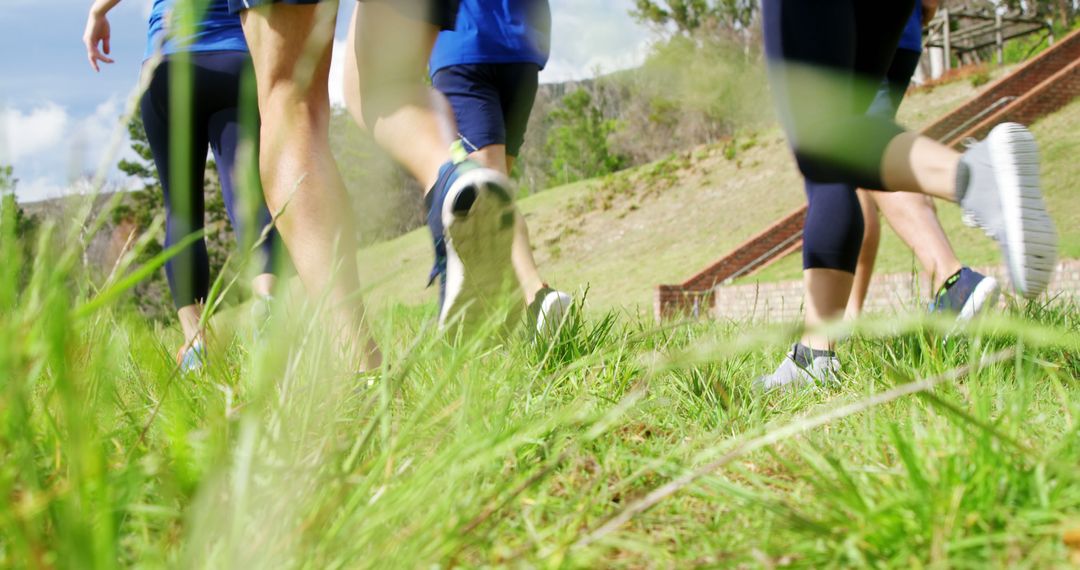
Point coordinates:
[[485, 453]]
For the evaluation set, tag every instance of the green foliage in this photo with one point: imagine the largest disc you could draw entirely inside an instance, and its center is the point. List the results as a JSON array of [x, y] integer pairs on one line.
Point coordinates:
[[24, 225], [691, 16], [577, 144], [980, 78]]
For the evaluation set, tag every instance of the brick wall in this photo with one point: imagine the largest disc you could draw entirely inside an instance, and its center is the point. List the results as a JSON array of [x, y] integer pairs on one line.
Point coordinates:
[[893, 293], [1044, 84], [696, 292]]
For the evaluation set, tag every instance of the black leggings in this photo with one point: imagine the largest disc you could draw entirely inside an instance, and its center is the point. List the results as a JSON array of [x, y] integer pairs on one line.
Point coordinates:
[[217, 78], [826, 60]]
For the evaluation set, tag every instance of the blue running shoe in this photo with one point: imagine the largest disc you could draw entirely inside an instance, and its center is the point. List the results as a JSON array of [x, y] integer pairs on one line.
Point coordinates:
[[471, 217], [966, 294]]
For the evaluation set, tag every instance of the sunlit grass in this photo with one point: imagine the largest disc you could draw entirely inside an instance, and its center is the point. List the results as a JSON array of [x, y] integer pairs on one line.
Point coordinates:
[[501, 451], [512, 452]]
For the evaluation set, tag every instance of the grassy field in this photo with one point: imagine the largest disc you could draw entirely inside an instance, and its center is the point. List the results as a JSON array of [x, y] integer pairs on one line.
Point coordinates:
[[662, 223], [615, 444]]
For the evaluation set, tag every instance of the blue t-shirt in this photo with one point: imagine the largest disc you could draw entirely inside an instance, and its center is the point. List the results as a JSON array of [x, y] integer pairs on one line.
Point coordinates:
[[911, 39], [496, 31], [218, 30]]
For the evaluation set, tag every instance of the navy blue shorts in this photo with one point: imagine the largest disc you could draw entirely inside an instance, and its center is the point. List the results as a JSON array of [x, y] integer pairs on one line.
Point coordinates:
[[442, 13], [491, 102]]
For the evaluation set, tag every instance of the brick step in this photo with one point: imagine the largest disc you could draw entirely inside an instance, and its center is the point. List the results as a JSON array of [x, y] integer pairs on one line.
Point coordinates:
[[889, 294], [1048, 96]]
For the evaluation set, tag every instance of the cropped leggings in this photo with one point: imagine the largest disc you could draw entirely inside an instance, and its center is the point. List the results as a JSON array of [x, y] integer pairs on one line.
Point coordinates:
[[826, 60], [215, 123]]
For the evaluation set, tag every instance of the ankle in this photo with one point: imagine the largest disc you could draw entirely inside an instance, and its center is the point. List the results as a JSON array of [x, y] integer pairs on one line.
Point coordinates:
[[946, 278], [804, 355]]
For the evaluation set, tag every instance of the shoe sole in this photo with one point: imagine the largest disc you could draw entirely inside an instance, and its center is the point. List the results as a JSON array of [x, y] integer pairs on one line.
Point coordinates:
[[984, 296], [553, 311], [1030, 244], [478, 215]]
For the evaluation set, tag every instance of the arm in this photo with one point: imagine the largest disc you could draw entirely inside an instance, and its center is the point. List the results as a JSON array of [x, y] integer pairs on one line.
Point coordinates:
[[98, 32]]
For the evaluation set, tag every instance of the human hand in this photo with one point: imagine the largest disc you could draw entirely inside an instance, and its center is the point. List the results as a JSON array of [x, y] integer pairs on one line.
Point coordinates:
[[97, 32]]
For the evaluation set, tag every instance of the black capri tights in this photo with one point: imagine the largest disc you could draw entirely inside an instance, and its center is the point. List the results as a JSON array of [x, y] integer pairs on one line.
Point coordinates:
[[827, 59], [216, 122]]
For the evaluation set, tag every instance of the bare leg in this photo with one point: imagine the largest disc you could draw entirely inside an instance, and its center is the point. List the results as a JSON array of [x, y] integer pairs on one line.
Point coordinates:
[[290, 46], [190, 317], [867, 255], [494, 157], [915, 220], [827, 292], [914, 163], [385, 93]]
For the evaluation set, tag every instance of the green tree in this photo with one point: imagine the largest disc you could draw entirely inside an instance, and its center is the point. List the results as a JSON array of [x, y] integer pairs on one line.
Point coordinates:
[[25, 224], [690, 16], [577, 143]]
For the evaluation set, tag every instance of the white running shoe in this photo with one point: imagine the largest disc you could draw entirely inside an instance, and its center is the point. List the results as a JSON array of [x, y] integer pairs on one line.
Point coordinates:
[[472, 220], [801, 369], [998, 190], [548, 311]]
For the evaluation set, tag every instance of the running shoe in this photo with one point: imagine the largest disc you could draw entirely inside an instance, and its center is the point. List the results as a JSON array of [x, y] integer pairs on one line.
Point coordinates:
[[998, 190], [191, 358], [548, 310], [802, 367], [966, 294], [471, 218]]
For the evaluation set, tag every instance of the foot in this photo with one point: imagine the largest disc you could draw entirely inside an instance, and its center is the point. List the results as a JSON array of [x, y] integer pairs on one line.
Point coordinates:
[[966, 294], [998, 190], [802, 367], [471, 218], [548, 310], [191, 357]]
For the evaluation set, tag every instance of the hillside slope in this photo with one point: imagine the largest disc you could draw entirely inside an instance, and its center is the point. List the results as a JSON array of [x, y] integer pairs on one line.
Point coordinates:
[[622, 235]]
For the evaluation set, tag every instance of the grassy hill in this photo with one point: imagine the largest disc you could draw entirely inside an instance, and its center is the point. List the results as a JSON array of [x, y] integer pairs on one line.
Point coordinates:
[[660, 223]]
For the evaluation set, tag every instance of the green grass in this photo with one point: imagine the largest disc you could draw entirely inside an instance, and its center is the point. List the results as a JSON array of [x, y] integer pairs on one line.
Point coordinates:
[[507, 453], [499, 452]]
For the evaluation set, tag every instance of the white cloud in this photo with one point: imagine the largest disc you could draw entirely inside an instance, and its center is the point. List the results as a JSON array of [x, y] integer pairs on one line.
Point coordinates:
[[38, 189], [28, 133], [52, 150], [591, 36]]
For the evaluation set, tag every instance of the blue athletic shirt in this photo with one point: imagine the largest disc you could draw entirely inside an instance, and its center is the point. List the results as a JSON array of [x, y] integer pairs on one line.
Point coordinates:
[[217, 31], [911, 39], [496, 31]]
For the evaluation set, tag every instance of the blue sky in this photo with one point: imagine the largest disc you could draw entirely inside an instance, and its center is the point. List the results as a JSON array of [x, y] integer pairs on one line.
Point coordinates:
[[58, 117]]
